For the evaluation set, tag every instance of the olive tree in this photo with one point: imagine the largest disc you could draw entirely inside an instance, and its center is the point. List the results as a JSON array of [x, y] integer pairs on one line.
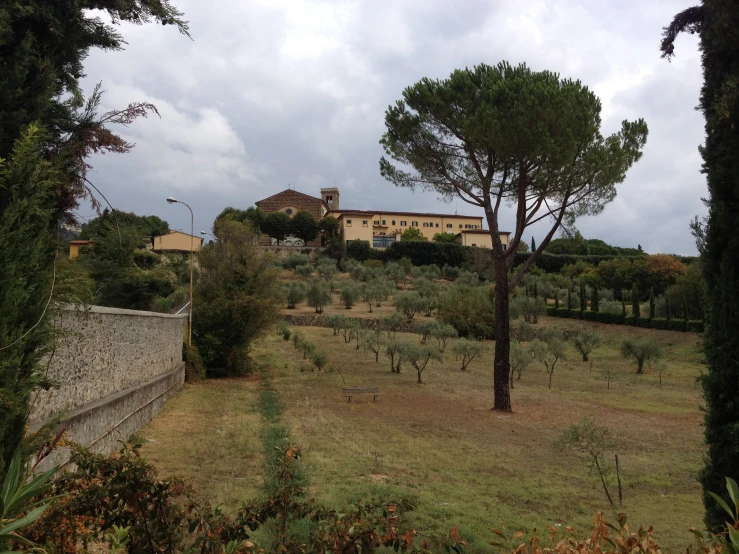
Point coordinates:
[[586, 341], [419, 356], [640, 351], [521, 358], [318, 295], [467, 350], [509, 136]]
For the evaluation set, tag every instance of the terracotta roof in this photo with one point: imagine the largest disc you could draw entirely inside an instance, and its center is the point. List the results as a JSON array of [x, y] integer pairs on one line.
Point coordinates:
[[296, 192], [173, 231], [482, 232], [80, 241], [419, 214]]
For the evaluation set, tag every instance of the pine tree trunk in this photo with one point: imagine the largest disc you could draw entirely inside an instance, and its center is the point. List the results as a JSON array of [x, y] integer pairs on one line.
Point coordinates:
[[501, 364]]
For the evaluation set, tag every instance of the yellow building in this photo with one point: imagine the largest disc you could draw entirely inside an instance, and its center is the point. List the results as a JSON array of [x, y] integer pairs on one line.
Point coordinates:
[[381, 228], [75, 245], [176, 241], [481, 238]]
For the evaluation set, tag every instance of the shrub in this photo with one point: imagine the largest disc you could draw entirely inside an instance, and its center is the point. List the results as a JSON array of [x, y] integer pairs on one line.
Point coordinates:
[[468, 279], [469, 310], [640, 351], [359, 250], [449, 273], [659, 323], [194, 368], [694, 325], [643, 322], [304, 270], [296, 260], [589, 316], [629, 320], [320, 359], [677, 325], [161, 305]]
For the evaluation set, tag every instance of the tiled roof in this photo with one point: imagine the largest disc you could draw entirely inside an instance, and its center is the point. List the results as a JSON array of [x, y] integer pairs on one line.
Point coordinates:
[[482, 232], [419, 214]]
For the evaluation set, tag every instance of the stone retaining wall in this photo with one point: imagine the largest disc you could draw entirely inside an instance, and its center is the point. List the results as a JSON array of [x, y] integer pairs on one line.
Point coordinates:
[[113, 370]]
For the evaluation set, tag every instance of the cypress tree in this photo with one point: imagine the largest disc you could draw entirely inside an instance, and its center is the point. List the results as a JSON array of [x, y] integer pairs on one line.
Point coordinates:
[[623, 303], [716, 23], [651, 303], [583, 300], [635, 306], [594, 300], [569, 299], [533, 244], [685, 308], [556, 301]]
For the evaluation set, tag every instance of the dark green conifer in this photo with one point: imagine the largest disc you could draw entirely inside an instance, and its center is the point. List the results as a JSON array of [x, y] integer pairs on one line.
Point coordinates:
[[635, 306]]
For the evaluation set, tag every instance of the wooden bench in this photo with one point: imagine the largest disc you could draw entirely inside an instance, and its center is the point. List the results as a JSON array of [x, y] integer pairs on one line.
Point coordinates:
[[350, 392]]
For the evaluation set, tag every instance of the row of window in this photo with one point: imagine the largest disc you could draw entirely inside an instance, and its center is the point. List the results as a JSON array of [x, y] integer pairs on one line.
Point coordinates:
[[376, 223]]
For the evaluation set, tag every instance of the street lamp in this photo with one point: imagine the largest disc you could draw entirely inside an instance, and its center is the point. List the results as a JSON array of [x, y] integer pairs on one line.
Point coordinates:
[[171, 200]]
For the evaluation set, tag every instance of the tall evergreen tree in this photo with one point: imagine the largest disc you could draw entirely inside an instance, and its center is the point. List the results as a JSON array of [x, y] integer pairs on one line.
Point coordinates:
[[27, 204], [594, 300], [569, 299], [533, 244], [47, 134], [635, 305], [583, 298], [716, 23], [651, 303]]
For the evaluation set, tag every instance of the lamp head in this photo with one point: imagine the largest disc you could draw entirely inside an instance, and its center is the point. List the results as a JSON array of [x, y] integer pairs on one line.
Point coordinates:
[[171, 200], [203, 233]]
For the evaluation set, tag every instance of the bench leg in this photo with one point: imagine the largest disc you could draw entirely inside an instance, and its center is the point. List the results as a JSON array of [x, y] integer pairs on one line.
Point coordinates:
[[350, 400], [375, 398]]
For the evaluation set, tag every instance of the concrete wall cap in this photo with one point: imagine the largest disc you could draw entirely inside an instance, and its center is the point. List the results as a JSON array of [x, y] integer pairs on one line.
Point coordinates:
[[120, 311]]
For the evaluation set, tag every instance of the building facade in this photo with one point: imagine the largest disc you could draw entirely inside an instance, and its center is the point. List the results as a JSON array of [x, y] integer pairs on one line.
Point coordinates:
[[379, 228], [176, 241]]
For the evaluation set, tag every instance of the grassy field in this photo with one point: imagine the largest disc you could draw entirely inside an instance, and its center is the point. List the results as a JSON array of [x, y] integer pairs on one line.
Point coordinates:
[[440, 444]]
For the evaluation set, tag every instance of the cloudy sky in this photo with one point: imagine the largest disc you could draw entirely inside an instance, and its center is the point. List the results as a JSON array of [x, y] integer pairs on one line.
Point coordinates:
[[278, 92]]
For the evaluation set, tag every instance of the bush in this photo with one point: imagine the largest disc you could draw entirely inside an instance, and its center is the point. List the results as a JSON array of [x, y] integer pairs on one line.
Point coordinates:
[[677, 325], [359, 250], [659, 323], [468, 279], [469, 310], [194, 368], [695, 325], [227, 319], [643, 322], [160, 305], [305, 270], [449, 273], [590, 316], [629, 320], [295, 260]]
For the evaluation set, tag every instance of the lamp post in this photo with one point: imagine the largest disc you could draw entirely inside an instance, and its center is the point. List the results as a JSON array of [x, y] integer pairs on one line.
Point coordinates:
[[192, 250]]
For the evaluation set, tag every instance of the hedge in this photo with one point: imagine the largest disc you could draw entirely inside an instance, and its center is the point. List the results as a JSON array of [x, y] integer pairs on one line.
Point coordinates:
[[427, 253], [695, 326]]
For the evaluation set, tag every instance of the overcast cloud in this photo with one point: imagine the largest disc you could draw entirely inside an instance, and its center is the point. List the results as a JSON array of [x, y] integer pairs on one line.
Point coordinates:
[[278, 92]]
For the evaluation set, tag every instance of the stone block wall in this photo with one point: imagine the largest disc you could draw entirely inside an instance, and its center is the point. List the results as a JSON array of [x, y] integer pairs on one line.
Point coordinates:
[[113, 370]]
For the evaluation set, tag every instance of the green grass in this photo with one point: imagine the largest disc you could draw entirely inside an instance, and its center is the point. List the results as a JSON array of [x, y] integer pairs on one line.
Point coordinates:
[[440, 445]]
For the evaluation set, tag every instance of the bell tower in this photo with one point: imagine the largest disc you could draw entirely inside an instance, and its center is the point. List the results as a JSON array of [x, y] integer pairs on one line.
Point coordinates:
[[331, 197]]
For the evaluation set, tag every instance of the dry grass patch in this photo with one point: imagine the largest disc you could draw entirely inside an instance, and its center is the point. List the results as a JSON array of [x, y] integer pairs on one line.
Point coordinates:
[[209, 434], [467, 466]]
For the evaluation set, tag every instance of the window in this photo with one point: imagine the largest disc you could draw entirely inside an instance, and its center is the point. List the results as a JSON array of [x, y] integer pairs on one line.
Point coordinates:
[[348, 222], [425, 224], [382, 242], [460, 225], [393, 222], [403, 223], [437, 224], [473, 244], [448, 225], [414, 223], [289, 211], [383, 222], [377, 223], [504, 246], [365, 222]]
